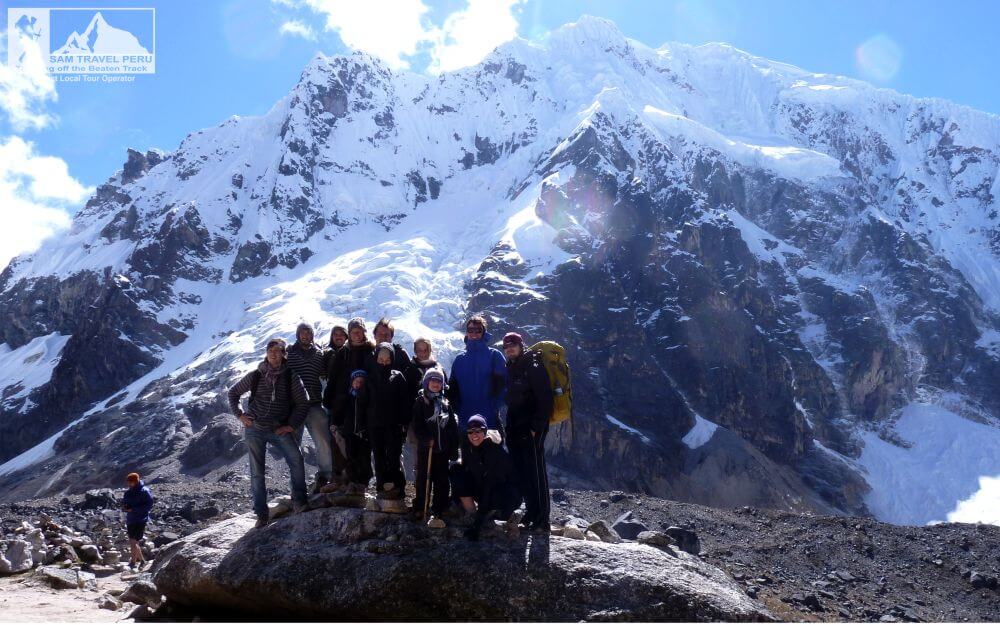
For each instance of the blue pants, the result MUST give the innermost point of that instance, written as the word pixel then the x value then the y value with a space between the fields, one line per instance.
pixel 318 424
pixel 256 441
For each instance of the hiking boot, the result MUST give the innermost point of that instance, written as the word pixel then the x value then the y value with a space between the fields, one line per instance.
pixel 388 486
pixel 262 521
pixel 318 483
pixel 436 523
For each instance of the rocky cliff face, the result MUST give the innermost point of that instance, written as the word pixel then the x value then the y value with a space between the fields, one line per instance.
pixel 755 269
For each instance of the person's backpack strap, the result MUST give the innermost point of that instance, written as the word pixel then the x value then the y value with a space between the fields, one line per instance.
pixel 253 386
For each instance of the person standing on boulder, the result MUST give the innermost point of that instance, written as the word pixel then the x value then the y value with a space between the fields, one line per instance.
pixel 309 362
pixel 388 420
pixel 357 353
pixel 483 478
pixel 277 407
pixel 529 406
pixel 436 429
pixel 478 377
pixel 352 423
pixel 137 503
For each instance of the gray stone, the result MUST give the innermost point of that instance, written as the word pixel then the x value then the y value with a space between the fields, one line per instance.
pixel 17 557
pixel 289 568
pixel 573 532
pixel 279 507
pixel 90 553
pixel 143 592
pixel 109 602
pixel 604 531
pixel 685 539
pixel 627 527
pixel 656 539
pixel 67 578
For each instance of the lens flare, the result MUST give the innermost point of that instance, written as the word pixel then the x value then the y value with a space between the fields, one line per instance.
pixel 879 58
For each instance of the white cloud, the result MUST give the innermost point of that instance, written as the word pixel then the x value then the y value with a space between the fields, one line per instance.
pixel 397 30
pixel 297 28
pixel 36 191
pixel 467 36
pixel 388 29
pixel 25 89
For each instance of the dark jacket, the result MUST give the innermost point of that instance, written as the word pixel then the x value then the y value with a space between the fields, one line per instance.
pixel 434 422
pixel 139 501
pixel 415 371
pixel 400 358
pixel 311 365
pixel 478 377
pixel 275 406
pixel 340 365
pixel 529 396
pixel 388 402
pixel 487 466
pixel 352 418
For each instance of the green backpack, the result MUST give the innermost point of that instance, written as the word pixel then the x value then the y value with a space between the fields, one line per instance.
pixel 552 355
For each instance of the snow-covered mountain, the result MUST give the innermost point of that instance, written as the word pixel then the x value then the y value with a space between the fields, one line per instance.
pixel 101 38
pixel 776 287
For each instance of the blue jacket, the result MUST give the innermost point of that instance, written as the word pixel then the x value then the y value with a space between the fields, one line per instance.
pixel 478 381
pixel 140 501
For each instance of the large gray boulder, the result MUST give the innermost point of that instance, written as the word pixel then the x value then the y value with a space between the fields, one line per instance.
pixel 15 557
pixel 351 564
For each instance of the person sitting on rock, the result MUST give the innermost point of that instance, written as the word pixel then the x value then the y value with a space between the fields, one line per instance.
pixel 352 423
pixel 436 428
pixel 529 406
pixel 478 376
pixel 483 478
pixel 278 405
pixel 309 361
pixel 137 503
pixel 388 420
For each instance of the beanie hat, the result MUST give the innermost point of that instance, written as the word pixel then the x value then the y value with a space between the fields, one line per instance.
pixel 357 322
pixel 385 346
pixel 432 374
pixel 476 421
pixel 358 373
pixel 512 338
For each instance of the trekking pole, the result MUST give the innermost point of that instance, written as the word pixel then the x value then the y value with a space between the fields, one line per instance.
pixel 427 483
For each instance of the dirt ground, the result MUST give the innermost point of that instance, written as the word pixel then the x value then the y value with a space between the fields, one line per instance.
pixel 26 599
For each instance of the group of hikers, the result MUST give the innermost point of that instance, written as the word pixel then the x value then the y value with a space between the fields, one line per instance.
pixel 479 433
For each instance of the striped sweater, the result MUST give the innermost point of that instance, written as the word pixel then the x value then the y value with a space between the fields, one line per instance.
pixel 274 406
pixel 310 364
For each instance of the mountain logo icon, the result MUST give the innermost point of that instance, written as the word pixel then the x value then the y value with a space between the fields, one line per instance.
pixel 100 37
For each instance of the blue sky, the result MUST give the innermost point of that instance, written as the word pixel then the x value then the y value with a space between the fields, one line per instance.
pixel 215 59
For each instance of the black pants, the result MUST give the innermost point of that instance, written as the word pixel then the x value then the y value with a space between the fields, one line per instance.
pixel 359 459
pixel 439 481
pixel 498 502
pixel 387 450
pixel 528 455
